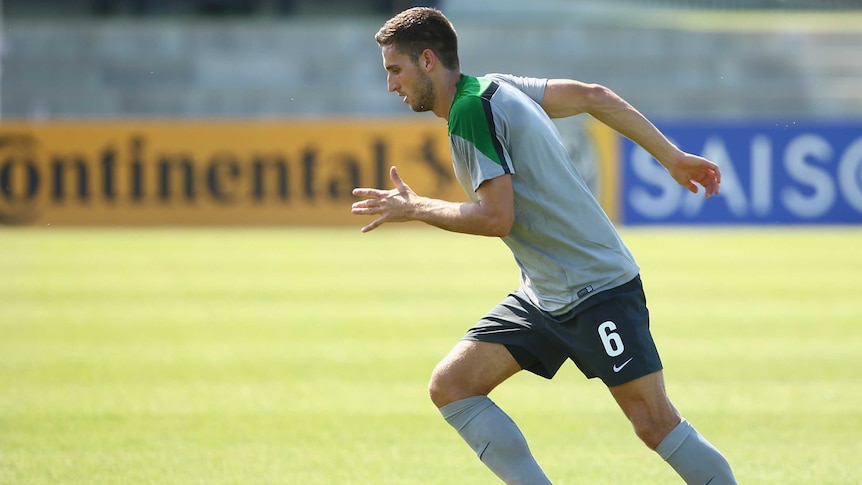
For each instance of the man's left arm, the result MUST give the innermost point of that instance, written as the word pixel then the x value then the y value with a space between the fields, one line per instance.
pixel 567 97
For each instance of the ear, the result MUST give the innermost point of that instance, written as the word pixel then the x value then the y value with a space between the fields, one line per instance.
pixel 427 60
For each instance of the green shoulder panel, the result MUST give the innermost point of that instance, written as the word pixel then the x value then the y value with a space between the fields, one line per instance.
pixel 471 119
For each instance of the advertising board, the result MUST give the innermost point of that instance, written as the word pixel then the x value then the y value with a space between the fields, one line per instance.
pixel 211 172
pixel 772 173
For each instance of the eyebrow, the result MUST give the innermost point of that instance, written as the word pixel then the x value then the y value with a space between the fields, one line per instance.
pixel 391 67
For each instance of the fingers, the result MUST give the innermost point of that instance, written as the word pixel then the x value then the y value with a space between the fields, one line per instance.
pixel 373 206
pixel 711 179
pixel 380 193
pixel 373 225
pixel 706 174
pixel 376 201
pixel 368 206
pixel 396 179
pixel 695 170
pixel 366 192
pixel 717 175
pixel 709 183
pixel 711 189
pixel 716 186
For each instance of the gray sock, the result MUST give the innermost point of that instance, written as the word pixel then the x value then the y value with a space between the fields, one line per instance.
pixel 496 439
pixel 694 458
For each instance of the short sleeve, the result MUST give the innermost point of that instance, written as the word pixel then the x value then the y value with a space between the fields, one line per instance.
pixel 531 86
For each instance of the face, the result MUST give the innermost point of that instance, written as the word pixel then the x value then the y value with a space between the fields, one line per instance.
pixel 406 78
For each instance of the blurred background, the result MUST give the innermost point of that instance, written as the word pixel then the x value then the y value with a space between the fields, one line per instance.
pixel 770 89
pixel 275 58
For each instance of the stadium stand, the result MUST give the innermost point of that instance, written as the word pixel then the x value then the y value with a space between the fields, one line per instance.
pixel 287 58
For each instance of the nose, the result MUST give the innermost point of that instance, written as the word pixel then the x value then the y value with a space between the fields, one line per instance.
pixel 391 84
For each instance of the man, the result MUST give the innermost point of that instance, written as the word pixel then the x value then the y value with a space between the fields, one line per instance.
pixel 580 296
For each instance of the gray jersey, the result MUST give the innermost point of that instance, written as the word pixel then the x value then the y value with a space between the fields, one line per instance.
pixel 562 240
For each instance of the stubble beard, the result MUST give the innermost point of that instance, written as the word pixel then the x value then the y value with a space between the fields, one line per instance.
pixel 424 100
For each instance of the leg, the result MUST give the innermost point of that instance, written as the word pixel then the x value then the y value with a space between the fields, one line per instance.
pixel 470 369
pixel 660 426
pixel 459 387
pixel 647 406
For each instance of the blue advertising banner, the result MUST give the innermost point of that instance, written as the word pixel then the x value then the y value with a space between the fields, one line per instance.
pixel 771 173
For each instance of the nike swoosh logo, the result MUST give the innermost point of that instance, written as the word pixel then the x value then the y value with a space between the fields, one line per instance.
pixel 620 367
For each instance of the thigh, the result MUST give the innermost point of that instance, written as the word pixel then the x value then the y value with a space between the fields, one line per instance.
pixel 521 327
pixel 471 368
pixel 645 403
pixel 610 337
pixel 644 394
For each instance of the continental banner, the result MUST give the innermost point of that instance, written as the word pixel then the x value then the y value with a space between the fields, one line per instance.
pixel 189 173
pixel 215 173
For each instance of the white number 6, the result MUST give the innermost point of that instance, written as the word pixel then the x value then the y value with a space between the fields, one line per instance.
pixel 610 339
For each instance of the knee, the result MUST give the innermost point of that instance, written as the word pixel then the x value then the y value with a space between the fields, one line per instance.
pixel 449 383
pixel 651 430
pixel 442 388
pixel 470 369
pixel 648 432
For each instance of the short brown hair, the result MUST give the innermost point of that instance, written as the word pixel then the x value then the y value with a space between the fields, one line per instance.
pixel 419 28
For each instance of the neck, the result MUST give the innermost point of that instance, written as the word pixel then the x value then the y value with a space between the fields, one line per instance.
pixel 446 94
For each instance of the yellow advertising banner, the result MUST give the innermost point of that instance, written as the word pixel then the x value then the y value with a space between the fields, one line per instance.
pixel 210 172
pixel 298 172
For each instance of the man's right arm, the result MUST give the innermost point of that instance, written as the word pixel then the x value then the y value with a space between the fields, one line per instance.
pixel 491 214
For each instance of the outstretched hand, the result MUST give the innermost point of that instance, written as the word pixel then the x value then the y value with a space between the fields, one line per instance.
pixel 391 205
pixel 690 170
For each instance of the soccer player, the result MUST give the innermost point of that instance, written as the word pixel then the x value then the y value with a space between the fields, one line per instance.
pixel 580 296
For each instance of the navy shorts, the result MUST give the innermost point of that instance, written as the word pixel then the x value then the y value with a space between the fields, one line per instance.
pixel 606 336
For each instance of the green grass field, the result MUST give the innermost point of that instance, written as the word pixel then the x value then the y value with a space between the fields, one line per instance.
pixel 301 357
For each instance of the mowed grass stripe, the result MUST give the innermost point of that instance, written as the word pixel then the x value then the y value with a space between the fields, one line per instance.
pixel 301 356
